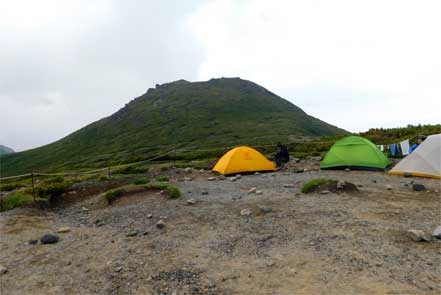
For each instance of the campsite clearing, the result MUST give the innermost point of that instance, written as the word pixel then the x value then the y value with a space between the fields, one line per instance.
pixel 291 243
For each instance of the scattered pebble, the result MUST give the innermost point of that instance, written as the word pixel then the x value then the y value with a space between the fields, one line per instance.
pixel 118 268
pixel 418 235
pixel 3 270
pixel 132 234
pixel 437 232
pixel 49 239
pixel 418 187
pixel 252 190
pixel 347 169
pixel 160 224
pixel 299 170
pixel 84 209
pixel 187 170
pixel 265 209
pixel 245 212
pixel 288 185
pixel 188 179
pixel 212 178
pixel 149 216
pixel 238 176
pixel 64 229
pixel 374 181
pixel 259 192
pixel 204 193
pixel 191 201
pixel 256 173
pixel 325 192
pixel 389 187
pixel 33 242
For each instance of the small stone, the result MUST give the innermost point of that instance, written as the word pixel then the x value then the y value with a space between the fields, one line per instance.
pixel 84 209
pixel 149 216
pixel 191 201
pixel 299 170
pixel 374 181
pixel 222 177
pixel 187 170
pixel 418 235
pixel 288 185
pixel 204 193
pixel 49 239
pixel 252 190
pixel 389 187
pixel 437 232
pixel 325 192
pixel 265 209
pixel 33 242
pixel 132 234
pixel 118 269
pixel 418 187
pixel 256 173
pixel 341 184
pixel 238 176
pixel 245 212
pixel 347 169
pixel 188 179
pixel 359 185
pixel 212 178
pixel 63 229
pixel 3 270
pixel 160 224
pixel 201 170
pixel 259 192
pixel 232 179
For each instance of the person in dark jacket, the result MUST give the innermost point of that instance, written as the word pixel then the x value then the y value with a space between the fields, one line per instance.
pixel 282 156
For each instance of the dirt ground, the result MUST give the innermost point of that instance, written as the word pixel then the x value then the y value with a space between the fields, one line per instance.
pixel 292 243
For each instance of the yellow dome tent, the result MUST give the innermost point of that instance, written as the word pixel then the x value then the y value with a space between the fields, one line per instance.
pixel 243 159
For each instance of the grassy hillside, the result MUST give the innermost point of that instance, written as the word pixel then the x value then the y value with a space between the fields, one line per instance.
pixel 215 113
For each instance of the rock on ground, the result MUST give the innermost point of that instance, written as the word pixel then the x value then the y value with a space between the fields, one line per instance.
pixel 437 232
pixel 418 235
pixel 245 212
pixel 49 239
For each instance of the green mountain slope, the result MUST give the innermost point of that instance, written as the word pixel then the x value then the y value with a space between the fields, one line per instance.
pixel 5 150
pixel 215 113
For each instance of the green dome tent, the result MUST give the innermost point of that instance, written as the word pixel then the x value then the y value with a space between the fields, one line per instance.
pixel 354 152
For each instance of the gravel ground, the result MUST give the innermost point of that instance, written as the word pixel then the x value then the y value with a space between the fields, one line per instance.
pixel 292 243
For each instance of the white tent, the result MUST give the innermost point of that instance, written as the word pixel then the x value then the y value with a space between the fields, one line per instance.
pixel 425 161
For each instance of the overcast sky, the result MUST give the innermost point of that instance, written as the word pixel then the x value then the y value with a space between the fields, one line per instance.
pixel 355 64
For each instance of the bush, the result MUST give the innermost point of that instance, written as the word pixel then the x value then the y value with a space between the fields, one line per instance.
pixel 103 178
pixel 14 200
pixel 313 183
pixel 165 168
pixel 10 187
pixel 141 181
pixel 173 192
pixel 52 189
pixel 162 178
pixel 113 194
pixel 131 170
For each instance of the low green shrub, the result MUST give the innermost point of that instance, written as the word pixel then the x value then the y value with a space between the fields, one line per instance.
pixel 15 200
pixel 162 178
pixel 113 194
pixel 173 192
pixel 131 170
pixel 313 183
pixel 7 187
pixel 52 189
pixel 103 178
pixel 159 186
pixel 165 168
pixel 141 181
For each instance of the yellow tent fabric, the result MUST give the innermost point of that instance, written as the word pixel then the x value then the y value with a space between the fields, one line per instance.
pixel 243 159
pixel 425 161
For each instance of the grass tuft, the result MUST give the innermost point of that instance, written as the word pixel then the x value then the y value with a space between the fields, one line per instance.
pixel 313 183
pixel 162 178
pixel 15 200
pixel 141 181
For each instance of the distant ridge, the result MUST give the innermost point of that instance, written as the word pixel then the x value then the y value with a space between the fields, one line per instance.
pixel 5 150
pixel 216 113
